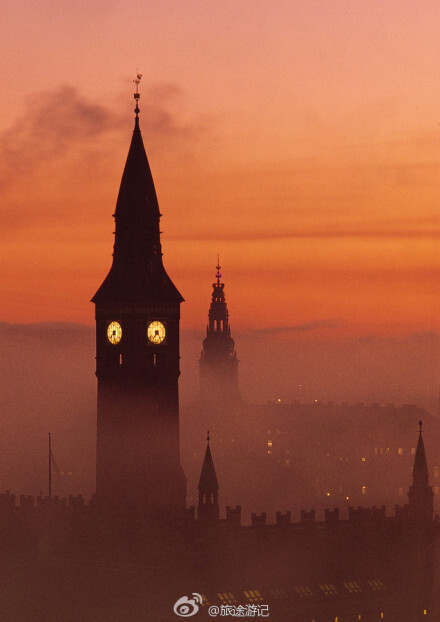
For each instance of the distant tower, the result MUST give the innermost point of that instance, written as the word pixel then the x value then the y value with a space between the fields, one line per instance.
pixel 137 357
pixel 207 509
pixel 218 361
pixel 420 494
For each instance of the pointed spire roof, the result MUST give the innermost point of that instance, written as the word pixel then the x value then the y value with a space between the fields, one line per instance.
pixel 137 273
pixel 137 192
pixel 208 477
pixel 420 467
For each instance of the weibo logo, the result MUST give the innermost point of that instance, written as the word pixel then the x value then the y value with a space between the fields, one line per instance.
pixel 186 607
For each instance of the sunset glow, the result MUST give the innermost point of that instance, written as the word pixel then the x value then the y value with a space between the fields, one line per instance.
pixel 297 139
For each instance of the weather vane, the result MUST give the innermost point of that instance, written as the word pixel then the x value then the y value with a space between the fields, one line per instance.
pixel 137 94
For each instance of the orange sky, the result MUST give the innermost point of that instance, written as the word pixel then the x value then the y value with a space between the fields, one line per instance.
pixel 298 139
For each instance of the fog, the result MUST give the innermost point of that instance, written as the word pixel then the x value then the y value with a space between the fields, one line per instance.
pixel 48 385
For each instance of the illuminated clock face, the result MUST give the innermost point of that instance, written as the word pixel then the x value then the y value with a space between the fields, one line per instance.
pixel 156 332
pixel 114 332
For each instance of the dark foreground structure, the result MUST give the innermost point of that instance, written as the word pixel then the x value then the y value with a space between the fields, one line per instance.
pixel 64 560
pixel 135 553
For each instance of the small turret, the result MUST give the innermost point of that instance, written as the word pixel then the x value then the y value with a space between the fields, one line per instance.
pixel 420 494
pixel 207 509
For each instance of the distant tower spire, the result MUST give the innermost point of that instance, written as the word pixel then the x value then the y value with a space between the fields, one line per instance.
pixel 207 509
pixel 420 494
pixel 218 361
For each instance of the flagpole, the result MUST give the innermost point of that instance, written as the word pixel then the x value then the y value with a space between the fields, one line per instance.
pixel 50 468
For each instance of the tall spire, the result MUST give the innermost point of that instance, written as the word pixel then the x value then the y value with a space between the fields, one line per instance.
pixel 218 311
pixel 420 467
pixel 207 509
pixel 208 478
pixel 420 494
pixel 137 273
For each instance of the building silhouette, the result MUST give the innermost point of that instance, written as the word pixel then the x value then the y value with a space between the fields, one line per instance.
pixel 208 509
pixel 218 362
pixel 420 494
pixel 137 357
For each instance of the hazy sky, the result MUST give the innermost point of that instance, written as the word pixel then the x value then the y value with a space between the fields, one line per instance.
pixel 299 139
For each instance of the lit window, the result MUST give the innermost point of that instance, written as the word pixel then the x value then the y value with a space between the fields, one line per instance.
pixel 364 459
pixel 436 471
pixel 120 359
pixel 353 587
pixel 303 590
pixel 227 598
pixel 376 585
pixel 388 450
pixel 413 451
pixel 364 490
pixel 253 596
pixel 375 450
pixel 400 492
pixel 278 593
pixel 328 589
pixel 400 451
pixel 269 443
pixel 288 463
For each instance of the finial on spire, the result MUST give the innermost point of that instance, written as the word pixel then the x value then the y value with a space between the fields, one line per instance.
pixel 420 426
pixel 208 438
pixel 137 94
pixel 218 266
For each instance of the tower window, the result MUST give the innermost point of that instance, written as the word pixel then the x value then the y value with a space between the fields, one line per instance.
pixel 120 359
pixel 154 360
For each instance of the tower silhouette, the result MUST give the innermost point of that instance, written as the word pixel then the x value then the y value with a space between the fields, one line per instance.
pixel 218 363
pixel 137 356
pixel 420 494
pixel 208 509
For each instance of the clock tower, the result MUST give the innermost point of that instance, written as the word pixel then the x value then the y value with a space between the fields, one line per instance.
pixel 137 310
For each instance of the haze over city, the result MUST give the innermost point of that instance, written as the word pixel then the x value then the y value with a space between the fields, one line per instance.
pixel 298 140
